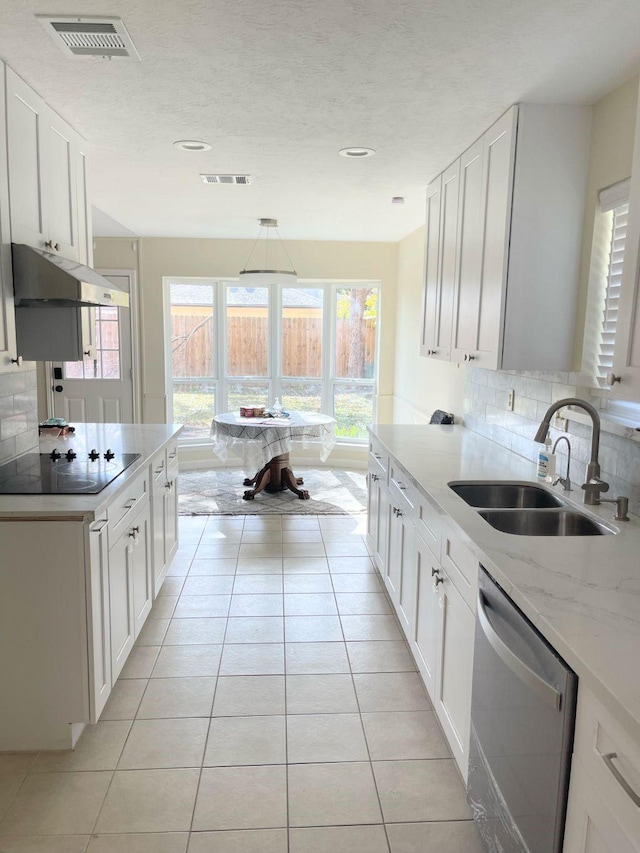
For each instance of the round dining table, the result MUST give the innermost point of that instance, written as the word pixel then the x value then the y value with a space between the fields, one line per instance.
pixel 265 443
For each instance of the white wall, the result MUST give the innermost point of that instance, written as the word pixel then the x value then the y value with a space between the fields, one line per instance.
pixel 420 385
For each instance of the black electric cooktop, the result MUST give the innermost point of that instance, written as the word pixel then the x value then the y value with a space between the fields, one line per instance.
pixel 84 474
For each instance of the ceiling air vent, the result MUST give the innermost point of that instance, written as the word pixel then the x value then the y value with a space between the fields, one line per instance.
pixel 225 179
pixel 91 36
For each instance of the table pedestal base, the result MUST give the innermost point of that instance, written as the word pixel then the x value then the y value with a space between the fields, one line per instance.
pixel 276 476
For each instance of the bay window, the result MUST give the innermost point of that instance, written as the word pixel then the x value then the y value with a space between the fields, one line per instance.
pixel 313 345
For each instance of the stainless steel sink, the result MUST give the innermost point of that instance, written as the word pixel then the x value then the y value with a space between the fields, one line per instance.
pixel 543 522
pixel 505 495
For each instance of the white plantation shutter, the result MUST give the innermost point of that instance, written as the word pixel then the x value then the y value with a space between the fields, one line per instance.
pixel 616 200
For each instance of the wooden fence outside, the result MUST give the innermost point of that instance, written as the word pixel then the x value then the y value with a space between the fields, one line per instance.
pixel 192 346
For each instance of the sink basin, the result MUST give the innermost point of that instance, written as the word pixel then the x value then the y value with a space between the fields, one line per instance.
pixel 498 495
pixel 543 522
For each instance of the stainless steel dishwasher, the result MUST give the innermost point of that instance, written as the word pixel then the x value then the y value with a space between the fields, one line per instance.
pixel 522 721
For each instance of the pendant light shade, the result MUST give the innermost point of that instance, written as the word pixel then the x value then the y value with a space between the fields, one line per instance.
pixel 267 275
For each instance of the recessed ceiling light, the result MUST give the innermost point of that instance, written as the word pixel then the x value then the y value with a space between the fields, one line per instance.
pixel 356 152
pixel 192 145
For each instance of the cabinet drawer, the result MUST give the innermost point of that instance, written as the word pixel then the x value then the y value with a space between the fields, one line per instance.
pixel 172 452
pixel 159 467
pixel 611 757
pixel 125 506
pixel 401 490
pixel 377 456
pixel 461 564
pixel 428 520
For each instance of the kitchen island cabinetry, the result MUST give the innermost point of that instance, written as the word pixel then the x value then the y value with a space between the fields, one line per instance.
pixel 508 241
pixel 76 586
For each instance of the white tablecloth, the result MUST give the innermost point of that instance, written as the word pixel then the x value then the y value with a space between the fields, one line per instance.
pixel 257 440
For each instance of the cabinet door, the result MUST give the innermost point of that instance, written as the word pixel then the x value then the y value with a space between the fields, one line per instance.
pixel 158 550
pixel 59 165
pixel 141 550
pixel 427 631
pixel 448 260
pixel 453 690
pixel 25 128
pixel 499 160
pixel 99 629
pixel 121 602
pixel 399 556
pixel 431 267
pixel 407 591
pixel 170 519
pixel 7 315
pixel 377 517
pixel 590 826
pixel 85 226
pixel 466 310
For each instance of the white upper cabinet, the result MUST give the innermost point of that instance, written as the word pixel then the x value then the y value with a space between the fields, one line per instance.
pixel 7 314
pixel 431 267
pixel 44 156
pixel 513 267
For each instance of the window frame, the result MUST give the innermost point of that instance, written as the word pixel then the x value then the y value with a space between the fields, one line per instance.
pixel 274 379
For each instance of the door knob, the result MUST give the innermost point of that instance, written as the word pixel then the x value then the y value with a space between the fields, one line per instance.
pixel 58 388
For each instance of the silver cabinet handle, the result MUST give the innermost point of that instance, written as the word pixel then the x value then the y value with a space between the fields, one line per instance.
pixel 173 455
pixel 435 571
pixel 134 532
pixel 131 503
pixel 168 485
pixel 402 486
pixel 546 692
pixel 375 478
pixel 99 529
pixel 617 775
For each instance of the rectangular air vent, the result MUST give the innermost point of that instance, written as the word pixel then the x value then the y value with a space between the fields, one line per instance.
pixel 225 179
pixel 90 36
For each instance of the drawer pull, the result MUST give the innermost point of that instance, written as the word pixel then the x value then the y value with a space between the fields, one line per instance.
pixel 617 775
pixel 99 529
pixel 160 469
pixel 377 455
pixel 131 503
pixel 173 455
pixel 402 486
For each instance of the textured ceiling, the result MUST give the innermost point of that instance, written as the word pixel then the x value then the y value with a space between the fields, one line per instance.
pixel 277 88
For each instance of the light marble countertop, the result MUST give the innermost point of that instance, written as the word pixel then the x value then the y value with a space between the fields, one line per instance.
pixel 582 593
pixel 145 439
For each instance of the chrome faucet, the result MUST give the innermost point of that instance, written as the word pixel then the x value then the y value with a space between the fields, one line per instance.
pixel 593 484
pixel 565 482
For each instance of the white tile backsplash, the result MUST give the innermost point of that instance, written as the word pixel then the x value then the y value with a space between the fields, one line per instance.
pixel 18 413
pixel 485 412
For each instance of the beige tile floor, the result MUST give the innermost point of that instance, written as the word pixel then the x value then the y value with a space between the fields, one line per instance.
pixel 270 705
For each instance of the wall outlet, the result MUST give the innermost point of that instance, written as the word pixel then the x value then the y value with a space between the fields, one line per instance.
pixel 511 398
pixel 561 422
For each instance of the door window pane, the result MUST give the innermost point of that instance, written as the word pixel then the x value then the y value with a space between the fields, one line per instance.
pixel 356 318
pixel 302 329
pixel 106 364
pixel 247 331
pixel 353 410
pixel 301 396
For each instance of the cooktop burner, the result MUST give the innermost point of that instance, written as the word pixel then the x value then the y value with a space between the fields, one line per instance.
pixel 63 474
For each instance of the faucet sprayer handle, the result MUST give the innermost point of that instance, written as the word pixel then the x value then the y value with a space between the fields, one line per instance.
pixel 592 489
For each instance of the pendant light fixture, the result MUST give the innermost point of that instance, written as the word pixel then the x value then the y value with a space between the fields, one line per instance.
pixel 261 277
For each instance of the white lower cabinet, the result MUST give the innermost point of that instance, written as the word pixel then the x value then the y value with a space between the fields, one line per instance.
pixel 425 642
pixel 433 611
pixel 121 603
pixel 604 793
pixel 452 700
pixel 165 518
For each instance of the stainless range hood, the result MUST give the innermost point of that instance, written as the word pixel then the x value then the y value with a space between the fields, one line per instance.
pixel 44 279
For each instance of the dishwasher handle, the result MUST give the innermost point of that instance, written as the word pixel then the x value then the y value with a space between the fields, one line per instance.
pixel 545 691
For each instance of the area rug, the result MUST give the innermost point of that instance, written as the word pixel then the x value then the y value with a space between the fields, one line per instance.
pixel 218 491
